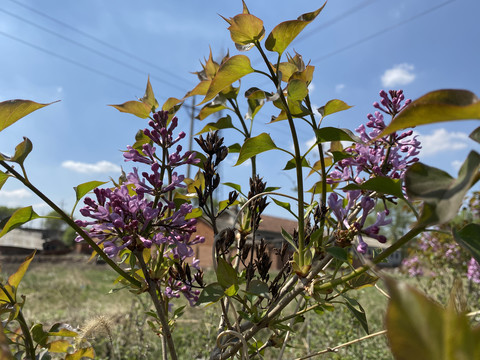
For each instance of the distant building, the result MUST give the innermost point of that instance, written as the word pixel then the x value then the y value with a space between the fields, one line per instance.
pixel 21 241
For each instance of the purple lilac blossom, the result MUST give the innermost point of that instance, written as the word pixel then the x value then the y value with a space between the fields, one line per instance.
pixel 138 213
pixel 473 271
pixel 389 156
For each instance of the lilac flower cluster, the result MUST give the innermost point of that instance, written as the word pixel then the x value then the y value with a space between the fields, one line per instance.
pixel 388 156
pixel 140 212
pixel 413 266
pixel 473 271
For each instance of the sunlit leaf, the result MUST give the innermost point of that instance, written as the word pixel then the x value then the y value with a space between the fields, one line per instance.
pixel 3 178
pixel 81 353
pixel 317 166
pixel 195 213
pixel 18 218
pixel 62 329
pixel 254 146
pixel 222 123
pixel 287 69
pixel 234 148
pixel 226 274
pixel 200 89
pixel 284 205
pixel 284 33
pixel 82 189
pixel 419 329
pixel 21 152
pixel 170 104
pixel 362 281
pixel 210 109
pixel 469 238
pixel 246 29
pixel 332 107
pixel 436 106
pixel 59 346
pixel 230 71
pixel 15 278
pixel 291 164
pixel 149 97
pixel 13 110
pixel 442 194
pixel 297 90
pixel 136 108
pixel 306 75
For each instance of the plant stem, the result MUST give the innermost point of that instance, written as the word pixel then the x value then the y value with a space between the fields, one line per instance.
pixel 159 305
pixel 73 225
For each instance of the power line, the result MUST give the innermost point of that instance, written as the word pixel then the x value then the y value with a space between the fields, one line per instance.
pixel 100 41
pixel 92 50
pixel 74 62
pixel 336 19
pixel 381 32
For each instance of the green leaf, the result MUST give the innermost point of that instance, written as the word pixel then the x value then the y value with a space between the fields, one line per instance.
pixel 200 89
pixel 39 335
pixel 291 164
pixel 62 329
pixel 232 290
pixel 21 152
pixel 5 352
pixel 259 288
pixel 226 274
pixel 289 238
pixel 335 134
pixel 222 123
pixel 211 294
pixel 284 205
pixel 149 97
pixel 230 71
pixel 297 89
pixel 362 281
pixel 469 238
pixel 338 253
pixel 136 108
pixel 235 148
pixel 332 107
pixel 419 329
pixel 82 189
pixel 246 29
pixel 13 110
pixel 18 218
pixel 255 146
pixel 59 346
pixel 442 194
pixel 210 109
pixel 284 33
pixel 475 135
pixel 15 278
pixel 195 213
pixel 234 186
pixel 380 184
pixel 436 106
pixel 3 178
pixel 358 311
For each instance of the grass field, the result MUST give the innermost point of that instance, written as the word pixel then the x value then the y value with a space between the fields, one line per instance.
pixel 79 294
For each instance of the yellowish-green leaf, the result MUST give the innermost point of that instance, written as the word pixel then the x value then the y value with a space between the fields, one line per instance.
pixel 317 166
pixel 305 75
pixel 149 97
pixel 246 29
pixel 297 90
pixel 136 108
pixel 21 152
pixel 18 218
pixel 16 277
pixel 13 110
pixel 284 33
pixel 200 89
pixel 222 123
pixel 255 146
pixel 170 104
pixel 287 69
pixel 82 189
pixel 230 71
pixel 195 213
pixel 210 109
pixel 436 106
pixel 333 106
pixel 3 178
pixel 59 346
pixel 81 353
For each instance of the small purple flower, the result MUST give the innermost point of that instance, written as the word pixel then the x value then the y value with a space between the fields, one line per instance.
pixel 473 271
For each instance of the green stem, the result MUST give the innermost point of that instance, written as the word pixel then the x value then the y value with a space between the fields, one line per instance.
pixel 73 225
pixel 298 161
pixel 29 347
pixel 383 255
pixel 155 295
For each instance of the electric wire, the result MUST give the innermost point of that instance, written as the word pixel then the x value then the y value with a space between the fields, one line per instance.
pixel 99 41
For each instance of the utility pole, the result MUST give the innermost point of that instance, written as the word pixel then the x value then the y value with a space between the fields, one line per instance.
pixel 190 139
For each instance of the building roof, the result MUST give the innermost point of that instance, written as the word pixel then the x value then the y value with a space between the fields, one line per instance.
pixel 23 238
pixel 275 224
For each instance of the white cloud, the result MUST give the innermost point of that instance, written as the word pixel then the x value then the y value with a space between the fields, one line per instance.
pixel 401 74
pixel 442 140
pixel 311 87
pixel 99 167
pixel 339 88
pixel 15 194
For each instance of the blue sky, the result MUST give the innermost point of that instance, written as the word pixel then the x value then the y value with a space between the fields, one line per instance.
pixel 91 53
